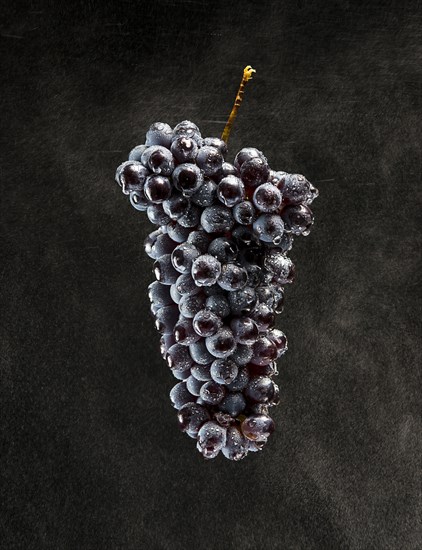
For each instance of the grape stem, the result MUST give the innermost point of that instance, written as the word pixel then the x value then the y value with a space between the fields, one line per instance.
pixel 247 75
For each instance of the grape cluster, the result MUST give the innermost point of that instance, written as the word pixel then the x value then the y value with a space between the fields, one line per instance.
pixel 220 263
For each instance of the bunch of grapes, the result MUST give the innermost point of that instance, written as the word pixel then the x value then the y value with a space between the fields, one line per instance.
pixel 220 262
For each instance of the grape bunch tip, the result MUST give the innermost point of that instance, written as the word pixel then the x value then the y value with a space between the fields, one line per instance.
pixel 221 262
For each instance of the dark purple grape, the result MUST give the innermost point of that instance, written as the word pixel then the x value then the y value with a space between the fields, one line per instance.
pixel 183 256
pixel 188 129
pixel 165 318
pixel 200 239
pixel 298 219
pixel 164 270
pixel 223 371
pixel 242 301
pixel 206 323
pixel 241 380
pixel 138 200
pixel 217 219
pixel 244 213
pixel 279 265
pixel 191 417
pixel 296 189
pixel 236 446
pixel 158 159
pixel 260 389
pixel 201 372
pixel 184 333
pixel 278 178
pixel 190 305
pixel 157 188
pixel 232 277
pixel 176 206
pixel 242 354
pixel 212 393
pixel 269 228
pixel 156 215
pixel 136 152
pixel 254 172
pixel 205 270
pixel 187 178
pixel 131 176
pixel 233 404
pixel 280 340
pixel 225 250
pixel 159 133
pixel 175 294
pixel 184 149
pixel 218 304
pixel 180 374
pixel 159 294
pixel 193 385
pixel 211 439
pixel 227 169
pixel 209 159
pixel 231 191
pixel 176 232
pixel 246 154
pixel 216 142
pixel 206 195
pixel 257 427
pixel 186 285
pixel 191 217
pixel 200 354
pixel 178 357
pixel 158 243
pixel 267 198
pixel 263 316
pixel 244 330
pixel 221 344
pixel 180 395
pixel 244 237
pixel 264 351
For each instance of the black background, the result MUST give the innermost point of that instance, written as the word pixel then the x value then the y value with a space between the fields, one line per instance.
pixel 91 454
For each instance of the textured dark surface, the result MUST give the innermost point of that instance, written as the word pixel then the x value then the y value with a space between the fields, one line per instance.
pixel 91 455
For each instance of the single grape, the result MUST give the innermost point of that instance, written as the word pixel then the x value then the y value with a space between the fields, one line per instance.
pixel 267 198
pixel 184 149
pixel 209 160
pixel 159 294
pixel 159 133
pixel 236 446
pixel 242 301
pixel 278 178
pixel 244 213
pixel 138 200
pixel 241 380
pixel 191 217
pixel 244 329
pixel 158 243
pixel 212 393
pixel 263 316
pixel 216 219
pixel 193 385
pixel 164 270
pixel 191 417
pixel 176 206
pixel 200 354
pixel 298 219
pixel 223 371
pixel 244 237
pixel 246 154
pixel 260 389
pixel 188 129
pixel 176 232
pixel 178 357
pixel 187 178
pixel 183 256
pixel 269 228
pixel 233 404
pixel 296 189
pixel 225 250
pixel 227 169
pixel 205 270
pixel 206 195
pixel 254 172
pixel 157 188
pixel 221 344
pixel 206 323
pixel 165 318
pixel 257 427
pixel 211 439
pixel 231 191
pixel 180 374
pixel 190 305
pixel 156 215
pixel 279 265
pixel 264 351
pixel 184 333
pixel 280 340
pixel 180 395
pixel 131 176
pixel 136 152
pixel 186 285
pixel 232 277
pixel 218 304
pixel 158 159
pixel 242 354
pixel 201 372
pixel 216 142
